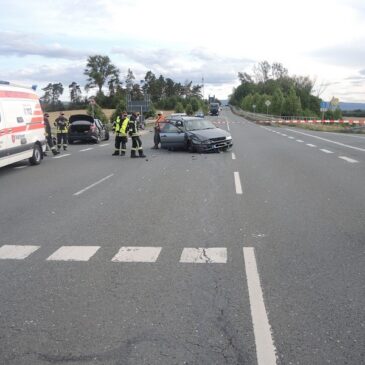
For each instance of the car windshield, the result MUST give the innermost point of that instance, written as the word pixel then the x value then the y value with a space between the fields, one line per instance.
pixel 196 124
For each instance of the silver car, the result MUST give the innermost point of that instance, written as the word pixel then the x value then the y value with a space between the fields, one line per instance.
pixel 194 135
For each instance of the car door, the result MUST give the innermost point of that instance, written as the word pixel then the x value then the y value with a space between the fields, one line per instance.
pixel 172 136
pixel 100 127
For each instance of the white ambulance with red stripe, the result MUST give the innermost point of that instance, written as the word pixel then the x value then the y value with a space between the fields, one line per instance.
pixel 22 134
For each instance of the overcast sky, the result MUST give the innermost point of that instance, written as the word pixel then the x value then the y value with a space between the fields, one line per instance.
pixel 44 41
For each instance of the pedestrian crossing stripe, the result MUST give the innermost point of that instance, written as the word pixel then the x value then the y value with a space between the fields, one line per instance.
pixel 17 252
pixel 125 254
pixel 74 253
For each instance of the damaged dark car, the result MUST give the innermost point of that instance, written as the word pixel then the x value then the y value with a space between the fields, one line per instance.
pixel 85 128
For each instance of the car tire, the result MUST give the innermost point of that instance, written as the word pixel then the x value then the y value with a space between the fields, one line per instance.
pixel 36 159
pixel 98 139
pixel 107 136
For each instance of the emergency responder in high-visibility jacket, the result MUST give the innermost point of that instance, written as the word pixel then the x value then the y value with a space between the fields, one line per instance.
pixel 49 139
pixel 120 128
pixel 62 129
pixel 134 133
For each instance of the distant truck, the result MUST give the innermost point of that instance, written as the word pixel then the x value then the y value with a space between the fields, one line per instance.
pixel 214 108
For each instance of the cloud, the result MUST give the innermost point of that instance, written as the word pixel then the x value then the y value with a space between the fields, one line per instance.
pixel 190 65
pixel 350 54
pixel 44 74
pixel 19 44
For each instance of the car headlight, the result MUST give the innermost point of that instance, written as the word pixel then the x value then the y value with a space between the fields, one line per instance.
pixel 228 137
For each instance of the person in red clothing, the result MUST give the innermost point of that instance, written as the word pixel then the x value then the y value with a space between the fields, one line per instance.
pixel 156 138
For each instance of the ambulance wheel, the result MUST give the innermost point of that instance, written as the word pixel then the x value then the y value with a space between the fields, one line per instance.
pixel 37 155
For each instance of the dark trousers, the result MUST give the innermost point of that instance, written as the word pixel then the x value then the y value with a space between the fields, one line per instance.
pixel 156 137
pixel 120 144
pixel 136 143
pixel 62 139
pixel 50 142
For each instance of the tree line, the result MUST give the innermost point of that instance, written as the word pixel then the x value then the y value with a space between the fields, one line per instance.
pixel 287 95
pixel 112 90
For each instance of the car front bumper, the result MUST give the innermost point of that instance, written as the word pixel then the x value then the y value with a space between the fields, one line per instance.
pixel 214 147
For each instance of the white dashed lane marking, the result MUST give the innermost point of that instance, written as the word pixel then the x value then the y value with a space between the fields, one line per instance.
pixel 299 140
pixel 348 159
pixel 16 252
pixel 92 185
pixel 311 145
pixel 105 144
pixel 217 255
pixel 87 149
pixel 237 182
pixel 233 156
pixel 137 254
pixel 74 253
pixel 265 349
pixel 326 151
pixel 62 156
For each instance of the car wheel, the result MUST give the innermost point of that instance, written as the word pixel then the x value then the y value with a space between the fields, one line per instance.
pixel 37 155
pixel 98 139
pixel 107 136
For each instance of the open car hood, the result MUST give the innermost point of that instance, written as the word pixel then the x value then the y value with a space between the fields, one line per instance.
pixel 204 134
pixel 81 118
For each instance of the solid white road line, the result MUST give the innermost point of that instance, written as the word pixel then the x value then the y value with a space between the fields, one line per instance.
pixel 265 349
pixel 16 252
pixel 237 182
pixel 233 156
pixel 92 185
pixel 87 149
pixel 348 159
pixel 299 140
pixel 311 145
pixel 73 253
pixel 137 254
pixel 325 151
pixel 329 140
pixel 62 156
pixel 214 255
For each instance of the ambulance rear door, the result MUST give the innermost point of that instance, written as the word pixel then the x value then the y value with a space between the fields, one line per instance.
pixel 4 145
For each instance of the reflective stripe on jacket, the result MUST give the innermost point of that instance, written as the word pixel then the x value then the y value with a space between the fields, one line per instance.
pixel 120 127
pixel 61 124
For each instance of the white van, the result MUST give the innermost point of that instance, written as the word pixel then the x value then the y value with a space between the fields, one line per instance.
pixel 22 133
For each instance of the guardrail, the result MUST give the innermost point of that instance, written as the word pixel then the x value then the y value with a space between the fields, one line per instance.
pixel 273 119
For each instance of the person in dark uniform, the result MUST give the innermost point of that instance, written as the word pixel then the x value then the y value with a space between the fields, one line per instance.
pixel 136 140
pixel 49 139
pixel 62 129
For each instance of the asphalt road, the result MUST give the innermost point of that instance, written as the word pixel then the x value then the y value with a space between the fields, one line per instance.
pixel 253 256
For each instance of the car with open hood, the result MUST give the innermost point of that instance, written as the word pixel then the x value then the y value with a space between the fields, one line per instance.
pixel 195 135
pixel 85 128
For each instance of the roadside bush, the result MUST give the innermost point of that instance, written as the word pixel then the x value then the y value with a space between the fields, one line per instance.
pixel 97 112
pixel 179 108
pixel 189 109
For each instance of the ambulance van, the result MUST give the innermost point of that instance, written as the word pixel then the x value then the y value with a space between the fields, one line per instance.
pixel 22 133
